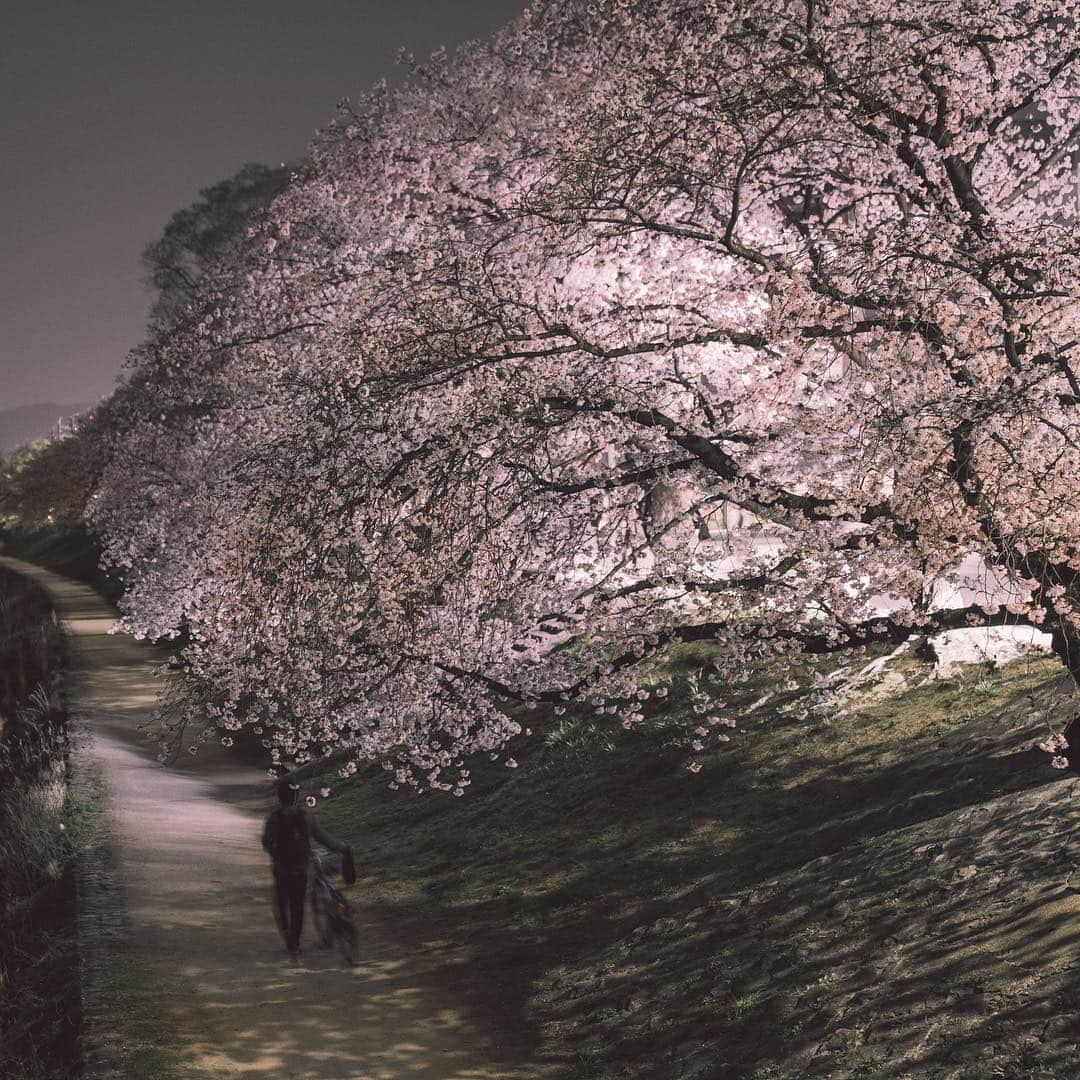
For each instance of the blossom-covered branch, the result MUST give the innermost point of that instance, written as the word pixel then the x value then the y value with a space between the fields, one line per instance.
pixel 637 323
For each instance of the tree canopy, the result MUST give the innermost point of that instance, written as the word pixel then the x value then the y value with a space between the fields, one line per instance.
pixel 203 233
pixel 639 323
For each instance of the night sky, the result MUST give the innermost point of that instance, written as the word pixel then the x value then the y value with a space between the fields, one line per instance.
pixel 115 113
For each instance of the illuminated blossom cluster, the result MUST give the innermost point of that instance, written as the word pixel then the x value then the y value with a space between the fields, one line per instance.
pixel 637 324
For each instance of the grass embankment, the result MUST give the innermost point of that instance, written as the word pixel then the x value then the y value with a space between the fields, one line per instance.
pixel 878 891
pixel 39 1015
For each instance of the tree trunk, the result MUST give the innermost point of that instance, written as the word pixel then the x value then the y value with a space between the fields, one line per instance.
pixel 1067 649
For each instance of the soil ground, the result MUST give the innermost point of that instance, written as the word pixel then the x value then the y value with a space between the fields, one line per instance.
pixel 183 972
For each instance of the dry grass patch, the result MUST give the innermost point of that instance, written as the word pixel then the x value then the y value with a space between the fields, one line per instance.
pixel 39 1021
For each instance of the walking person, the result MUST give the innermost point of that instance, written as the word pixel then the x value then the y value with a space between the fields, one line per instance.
pixel 287 838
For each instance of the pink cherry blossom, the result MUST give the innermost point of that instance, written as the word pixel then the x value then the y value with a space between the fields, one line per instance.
pixel 636 325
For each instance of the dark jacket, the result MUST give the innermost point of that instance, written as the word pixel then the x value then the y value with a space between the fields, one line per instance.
pixel 314 832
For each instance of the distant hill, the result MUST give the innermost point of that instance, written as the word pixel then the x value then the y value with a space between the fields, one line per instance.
pixel 19 425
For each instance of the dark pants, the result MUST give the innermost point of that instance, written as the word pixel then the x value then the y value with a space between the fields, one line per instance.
pixel 289 890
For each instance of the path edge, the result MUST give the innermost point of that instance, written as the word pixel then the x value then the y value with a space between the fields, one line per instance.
pixel 100 911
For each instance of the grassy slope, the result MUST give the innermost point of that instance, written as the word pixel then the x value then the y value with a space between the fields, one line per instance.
pixel 880 893
pixel 39 998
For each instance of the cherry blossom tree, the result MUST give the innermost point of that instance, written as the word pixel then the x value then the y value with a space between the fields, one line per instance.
pixel 48 481
pixel 637 324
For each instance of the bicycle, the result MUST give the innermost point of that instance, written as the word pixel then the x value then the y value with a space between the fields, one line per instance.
pixel 333 916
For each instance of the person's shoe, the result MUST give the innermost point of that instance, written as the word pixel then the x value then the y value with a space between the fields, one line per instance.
pixel 294 955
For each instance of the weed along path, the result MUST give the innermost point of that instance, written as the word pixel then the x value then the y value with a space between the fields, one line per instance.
pixel 183 973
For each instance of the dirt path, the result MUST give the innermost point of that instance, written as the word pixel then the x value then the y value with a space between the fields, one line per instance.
pixel 183 972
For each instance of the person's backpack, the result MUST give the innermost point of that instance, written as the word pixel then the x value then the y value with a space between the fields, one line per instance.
pixel 291 843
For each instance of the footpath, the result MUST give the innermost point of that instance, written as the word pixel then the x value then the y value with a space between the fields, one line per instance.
pixel 183 973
